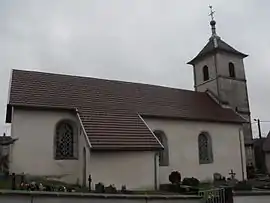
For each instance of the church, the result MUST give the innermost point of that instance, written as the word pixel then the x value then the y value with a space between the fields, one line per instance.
pixel 122 133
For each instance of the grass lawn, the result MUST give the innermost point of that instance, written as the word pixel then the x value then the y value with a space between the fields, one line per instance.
pixel 206 186
pixel 5 184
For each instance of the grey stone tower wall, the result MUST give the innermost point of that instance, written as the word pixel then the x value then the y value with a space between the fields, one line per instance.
pixel 232 90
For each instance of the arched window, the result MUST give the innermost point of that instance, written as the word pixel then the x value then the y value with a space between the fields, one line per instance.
pixel 205 148
pixel 231 70
pixel 65 141
pixel 164 154
pixel 205 73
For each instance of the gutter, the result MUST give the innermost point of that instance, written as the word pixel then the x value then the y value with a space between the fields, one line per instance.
pixel 241 154
pixel 155 155
pixel 84 132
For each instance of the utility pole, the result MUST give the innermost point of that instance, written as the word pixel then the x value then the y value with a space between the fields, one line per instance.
pixel 261 159
pixel 259 127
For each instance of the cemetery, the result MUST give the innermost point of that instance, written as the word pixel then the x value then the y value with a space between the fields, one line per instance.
pixel 220 187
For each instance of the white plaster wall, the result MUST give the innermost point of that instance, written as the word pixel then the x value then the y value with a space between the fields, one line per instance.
pixel 183 148
pixel 133 169
pixel 33 152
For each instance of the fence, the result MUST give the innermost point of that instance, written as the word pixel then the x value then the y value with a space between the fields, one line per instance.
pixel 214 196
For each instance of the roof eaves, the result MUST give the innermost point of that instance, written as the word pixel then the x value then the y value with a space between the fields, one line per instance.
pixel 202 55
pixel 193 119
pixel 161 145
pixel 27 106
pixel 210 49
pixel 120 149
pixel 42 107
pixel 84 131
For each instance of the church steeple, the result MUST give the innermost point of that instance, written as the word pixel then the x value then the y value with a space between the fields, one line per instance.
pixel 215 43
pixel 219 69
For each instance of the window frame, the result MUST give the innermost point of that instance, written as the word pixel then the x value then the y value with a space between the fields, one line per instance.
pixel 163 154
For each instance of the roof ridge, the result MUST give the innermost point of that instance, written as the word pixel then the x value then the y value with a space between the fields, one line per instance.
pixel 102 79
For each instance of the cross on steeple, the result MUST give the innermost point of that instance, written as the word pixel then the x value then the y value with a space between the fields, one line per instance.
pixel 213 25
pixel 211 12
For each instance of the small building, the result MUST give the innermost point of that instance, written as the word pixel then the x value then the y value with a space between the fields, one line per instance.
pixel 266 150
pixel 5 144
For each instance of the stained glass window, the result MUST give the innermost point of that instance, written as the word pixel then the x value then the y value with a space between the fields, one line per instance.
pixel 64 141
pixel 205 149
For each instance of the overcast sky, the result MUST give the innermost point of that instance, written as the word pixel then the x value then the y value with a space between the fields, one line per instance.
pixel 146 41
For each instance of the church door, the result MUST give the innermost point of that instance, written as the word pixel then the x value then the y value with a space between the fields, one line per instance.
pixel 84 167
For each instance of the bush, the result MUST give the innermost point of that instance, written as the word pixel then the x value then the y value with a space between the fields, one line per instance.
pixel 175 177
pixel 110 189
pixel 243 185
pixel 194 182
pixel 99 188
pixel 250 171
pixel 124 189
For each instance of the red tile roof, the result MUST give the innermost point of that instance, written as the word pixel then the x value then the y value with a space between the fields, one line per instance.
pixel 110 110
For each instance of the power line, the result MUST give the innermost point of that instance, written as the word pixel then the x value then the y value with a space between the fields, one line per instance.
pixel 261 122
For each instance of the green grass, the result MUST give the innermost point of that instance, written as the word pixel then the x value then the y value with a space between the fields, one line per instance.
pixel 5 184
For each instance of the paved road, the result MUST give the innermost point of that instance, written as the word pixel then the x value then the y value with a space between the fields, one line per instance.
pixel 252 199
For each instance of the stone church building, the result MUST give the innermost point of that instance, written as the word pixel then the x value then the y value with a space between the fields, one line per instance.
pixel 132 134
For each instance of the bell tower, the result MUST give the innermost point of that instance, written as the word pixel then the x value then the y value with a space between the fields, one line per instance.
pixel 219 69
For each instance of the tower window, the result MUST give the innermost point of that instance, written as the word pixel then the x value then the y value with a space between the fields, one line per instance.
pixel 205 73
pixel 231 70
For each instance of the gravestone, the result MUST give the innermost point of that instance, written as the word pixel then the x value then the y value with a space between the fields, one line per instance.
pixel 219 179
pixel 232 181
pixel 217 176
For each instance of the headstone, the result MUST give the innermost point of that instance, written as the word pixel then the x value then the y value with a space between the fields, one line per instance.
pixel 217 176
pixel 123 189
pixel 13 181
pixel 232 181
pixel 22 178
pixel 232 174
pixel 89 182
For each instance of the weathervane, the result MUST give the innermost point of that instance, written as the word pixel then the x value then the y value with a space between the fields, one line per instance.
pixel 211 12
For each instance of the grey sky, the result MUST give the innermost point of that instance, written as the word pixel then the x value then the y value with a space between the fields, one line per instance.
pixel 146 41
